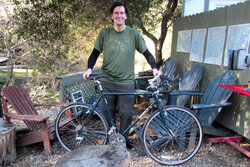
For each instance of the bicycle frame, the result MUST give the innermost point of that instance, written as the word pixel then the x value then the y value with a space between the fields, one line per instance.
pixel 156 101
pixel 171 136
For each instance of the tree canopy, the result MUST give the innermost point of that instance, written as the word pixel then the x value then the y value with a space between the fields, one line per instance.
pixel 62 32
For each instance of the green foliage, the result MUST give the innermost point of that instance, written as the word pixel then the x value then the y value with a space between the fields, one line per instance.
pixel 46 30
pixel 153 18
pixel 8 39
pixel 41 26
pixel 41 94
pixel 63 32
pixel 2 45
pixel 145 12
pixel 18 81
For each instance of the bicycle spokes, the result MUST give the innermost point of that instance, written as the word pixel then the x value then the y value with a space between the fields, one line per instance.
pixel 172 138
pixel 74 129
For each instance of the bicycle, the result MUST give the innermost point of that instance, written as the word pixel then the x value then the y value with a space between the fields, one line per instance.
pixel 81 124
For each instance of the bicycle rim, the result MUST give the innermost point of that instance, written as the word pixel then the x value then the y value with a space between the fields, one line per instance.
pixel 76 126
pixel 177 143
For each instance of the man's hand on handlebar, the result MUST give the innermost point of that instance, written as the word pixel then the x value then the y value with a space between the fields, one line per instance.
pixel 86 74
pixel 156 71
pixel 171 81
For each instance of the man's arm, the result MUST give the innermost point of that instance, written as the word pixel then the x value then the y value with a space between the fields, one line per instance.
pixel 151 61
pixel 91 62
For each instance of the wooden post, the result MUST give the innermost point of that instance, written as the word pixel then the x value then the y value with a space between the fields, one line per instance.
pixel 7 142
pixel 1 109
pixel 45 136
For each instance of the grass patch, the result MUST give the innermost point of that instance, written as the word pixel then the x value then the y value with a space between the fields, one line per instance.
pixel 17 72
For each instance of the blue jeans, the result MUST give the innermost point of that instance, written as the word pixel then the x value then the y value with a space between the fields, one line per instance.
pixel 124 103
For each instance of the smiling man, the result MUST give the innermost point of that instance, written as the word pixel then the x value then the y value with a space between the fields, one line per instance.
pixel 118 44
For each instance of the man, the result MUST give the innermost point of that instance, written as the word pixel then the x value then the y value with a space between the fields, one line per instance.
pixel 118 44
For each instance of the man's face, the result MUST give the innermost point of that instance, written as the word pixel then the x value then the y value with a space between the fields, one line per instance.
pixel 119 15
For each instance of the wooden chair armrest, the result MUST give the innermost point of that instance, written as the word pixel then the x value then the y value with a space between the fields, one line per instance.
pixel 144 77
pixel 37 118
pixel 185 92
pixel 204 106
pixel 53 104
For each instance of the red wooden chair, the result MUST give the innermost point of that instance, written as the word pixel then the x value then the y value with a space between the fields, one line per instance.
pixel 39 130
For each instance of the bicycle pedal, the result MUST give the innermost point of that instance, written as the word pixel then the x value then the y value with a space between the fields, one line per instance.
pixel 79 138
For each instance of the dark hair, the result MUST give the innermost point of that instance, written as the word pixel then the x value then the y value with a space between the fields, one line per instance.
pixel 119 4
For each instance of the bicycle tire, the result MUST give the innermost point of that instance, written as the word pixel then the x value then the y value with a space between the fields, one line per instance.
pixel 77 126
pixel 174 149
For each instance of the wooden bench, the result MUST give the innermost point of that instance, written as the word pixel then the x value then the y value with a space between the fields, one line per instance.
pixel 74 82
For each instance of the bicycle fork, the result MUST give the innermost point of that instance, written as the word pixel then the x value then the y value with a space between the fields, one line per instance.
pixel 160 105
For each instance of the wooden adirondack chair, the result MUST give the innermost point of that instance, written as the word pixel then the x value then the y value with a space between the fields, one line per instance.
pixel 39 131
pixel 213 100
pixel 141 83
pixel 188 86
pixel 168 68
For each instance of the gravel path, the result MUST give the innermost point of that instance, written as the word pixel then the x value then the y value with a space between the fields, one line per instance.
pixel 210 155
pixel 215 155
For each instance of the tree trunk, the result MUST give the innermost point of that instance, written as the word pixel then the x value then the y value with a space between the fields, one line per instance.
pixel 168 13
pixel 10 71
pixel 98 155
pixel 7 143
pixel 158 53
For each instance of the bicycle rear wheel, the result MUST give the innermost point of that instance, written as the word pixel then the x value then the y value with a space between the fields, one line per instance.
pixel 76 126
pixel 175 143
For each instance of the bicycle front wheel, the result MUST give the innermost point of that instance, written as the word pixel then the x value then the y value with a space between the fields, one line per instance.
pixel 78 125
pixel 173 137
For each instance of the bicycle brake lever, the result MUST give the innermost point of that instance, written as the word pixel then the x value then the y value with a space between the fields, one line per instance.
pixel 151 81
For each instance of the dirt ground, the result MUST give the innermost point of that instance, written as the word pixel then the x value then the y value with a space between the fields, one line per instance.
pixel 210 155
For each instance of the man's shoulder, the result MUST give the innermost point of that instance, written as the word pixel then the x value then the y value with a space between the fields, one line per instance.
pixel 132 29
pixel 106 29
pixel 133 32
